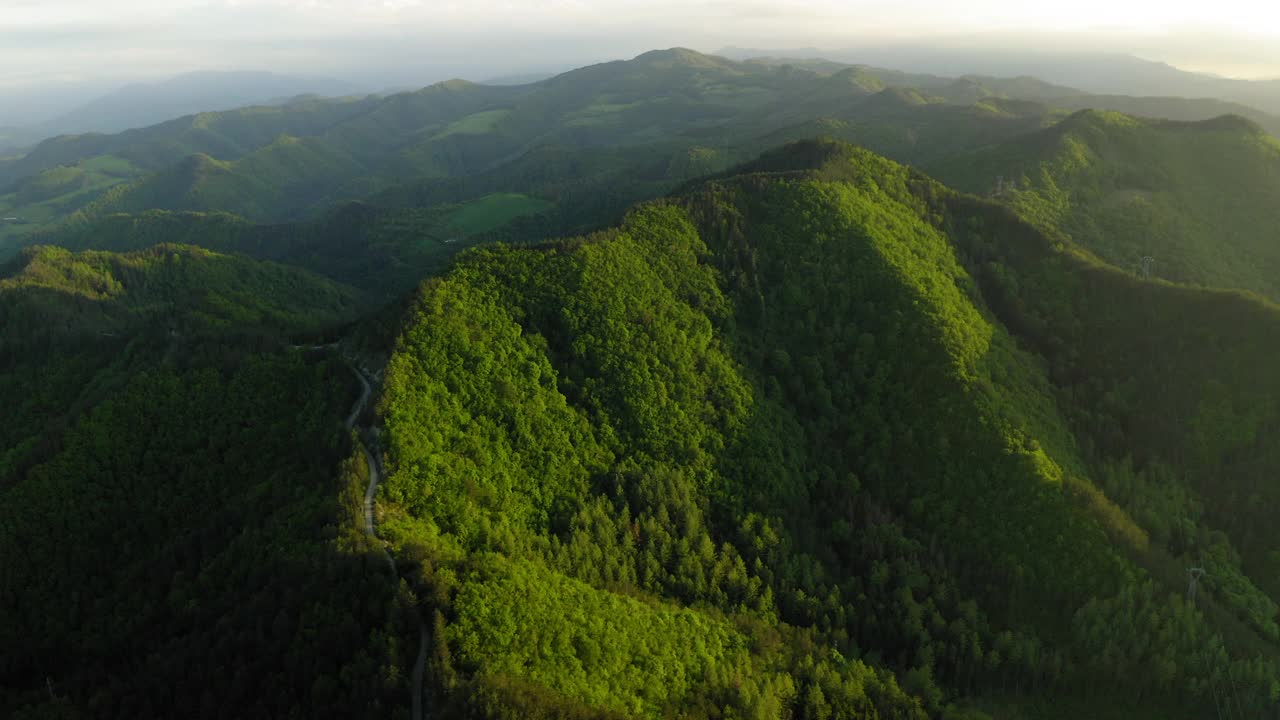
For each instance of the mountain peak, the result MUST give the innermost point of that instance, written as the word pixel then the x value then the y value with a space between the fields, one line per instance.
pixel 821 158
pixel 1231 122
pixel 455 85
pixel 1106 119
pixel 673 57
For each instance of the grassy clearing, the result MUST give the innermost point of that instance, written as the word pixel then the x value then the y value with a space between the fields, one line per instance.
pixel 599 113
pixel 93 175
pixel 475 124
pixel 110 165
pixel 494 211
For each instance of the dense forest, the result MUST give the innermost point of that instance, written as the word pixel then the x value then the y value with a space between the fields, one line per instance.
pixel 809 403
pixel 659 406
pixel 181 529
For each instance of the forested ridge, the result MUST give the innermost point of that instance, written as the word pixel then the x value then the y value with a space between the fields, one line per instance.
pixel 1197 198
pixel 182 525
pixel 830 402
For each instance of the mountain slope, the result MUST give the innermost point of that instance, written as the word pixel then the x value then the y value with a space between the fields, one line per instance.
pixel 279 180
pixel 782 397
pixel 1169 392
pixel 181 497
pixel 189 546
pixel 1168 108
pixel 50 295
pixel 1196 197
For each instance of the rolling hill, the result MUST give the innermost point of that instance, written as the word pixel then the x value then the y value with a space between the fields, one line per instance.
pixel 644 126
pixel 288 162
pixel 1198 198
pixel 53 298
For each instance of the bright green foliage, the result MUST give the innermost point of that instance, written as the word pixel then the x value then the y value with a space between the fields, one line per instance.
pixel 908 302
pixel 524 451
pixel 606 650
pixel 783 400
pixel 493 211
pixel 520 386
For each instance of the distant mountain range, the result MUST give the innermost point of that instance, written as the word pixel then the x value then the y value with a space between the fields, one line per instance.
pixel 13 138
pixel 143 104
pixel 146 104
pixel 639 127
pixel 1108 73
pixel 30 116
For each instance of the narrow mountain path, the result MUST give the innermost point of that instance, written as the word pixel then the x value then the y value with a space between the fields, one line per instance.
pixel 362 402
pixel 371 529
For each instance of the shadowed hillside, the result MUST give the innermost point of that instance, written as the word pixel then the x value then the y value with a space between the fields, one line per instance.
pixel 1198 198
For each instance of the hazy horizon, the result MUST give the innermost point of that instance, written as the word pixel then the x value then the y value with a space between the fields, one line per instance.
pixel 57 50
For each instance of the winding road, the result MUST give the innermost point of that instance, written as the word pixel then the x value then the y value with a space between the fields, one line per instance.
pixel 370 529
pixel 363 401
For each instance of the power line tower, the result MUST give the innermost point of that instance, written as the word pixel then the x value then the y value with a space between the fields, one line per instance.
pixel 1147 262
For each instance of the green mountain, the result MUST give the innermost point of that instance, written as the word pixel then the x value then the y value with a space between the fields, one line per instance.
pixel 1198 198
pixel 823 419
pixel 182 534
pixel 973 89
pixel 53 295
pixel 1168 108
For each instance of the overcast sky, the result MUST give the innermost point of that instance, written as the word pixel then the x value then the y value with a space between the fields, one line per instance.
pixel 43 42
